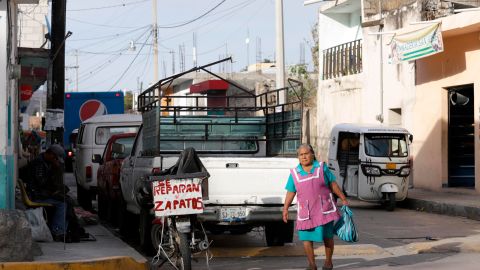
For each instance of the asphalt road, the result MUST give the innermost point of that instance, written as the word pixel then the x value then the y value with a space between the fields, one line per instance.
pixel 384 238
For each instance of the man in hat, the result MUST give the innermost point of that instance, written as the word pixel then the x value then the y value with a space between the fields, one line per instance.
pixel 44 179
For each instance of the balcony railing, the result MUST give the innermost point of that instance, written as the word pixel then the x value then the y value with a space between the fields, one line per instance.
pixel 342 60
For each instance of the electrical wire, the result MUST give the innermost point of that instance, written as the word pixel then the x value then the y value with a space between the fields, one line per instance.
pixel 111 59
pixel 129 65
pixel 104 42
pixel 94 69
pixel 109 36
pixel 192 20
pixel 258 10
pixel 101 25
pixel 111 6
pixel 237 8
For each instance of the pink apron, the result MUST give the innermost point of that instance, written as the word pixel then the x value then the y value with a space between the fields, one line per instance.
pixel 315 203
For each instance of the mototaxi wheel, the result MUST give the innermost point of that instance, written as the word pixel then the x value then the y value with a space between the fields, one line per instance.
pixel 391 202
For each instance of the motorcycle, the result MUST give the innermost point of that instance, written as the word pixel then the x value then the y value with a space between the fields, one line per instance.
pixel 175 197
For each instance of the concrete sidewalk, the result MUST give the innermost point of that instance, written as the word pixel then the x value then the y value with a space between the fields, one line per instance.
pixel 448 201
pixel 108 252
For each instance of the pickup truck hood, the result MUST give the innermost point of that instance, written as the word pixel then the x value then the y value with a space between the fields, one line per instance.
pixel 254 181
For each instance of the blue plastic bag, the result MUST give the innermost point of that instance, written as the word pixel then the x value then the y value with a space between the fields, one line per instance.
pixel 345 227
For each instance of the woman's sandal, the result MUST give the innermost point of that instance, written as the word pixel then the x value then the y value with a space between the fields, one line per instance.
pixel 327 267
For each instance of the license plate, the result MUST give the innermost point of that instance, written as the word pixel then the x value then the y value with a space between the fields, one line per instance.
pixel 391 166
pixel 233 214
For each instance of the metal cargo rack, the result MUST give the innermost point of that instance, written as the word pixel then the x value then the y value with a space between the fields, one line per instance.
pixel 246 117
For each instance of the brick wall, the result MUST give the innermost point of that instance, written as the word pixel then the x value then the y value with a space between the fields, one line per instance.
pixel 32 24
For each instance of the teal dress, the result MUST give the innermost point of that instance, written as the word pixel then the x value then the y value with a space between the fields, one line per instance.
pixel 319 233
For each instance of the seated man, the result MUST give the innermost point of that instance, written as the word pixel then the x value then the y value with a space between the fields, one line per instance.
pixel 45 184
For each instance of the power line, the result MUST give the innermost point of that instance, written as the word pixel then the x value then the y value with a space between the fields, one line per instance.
pixel 101 25
pixel 129 65
pixel 193 20
pixel 111 6
pixel 237 7
pixel 109 36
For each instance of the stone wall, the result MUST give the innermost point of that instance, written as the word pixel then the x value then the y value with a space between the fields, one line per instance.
pixel 16 237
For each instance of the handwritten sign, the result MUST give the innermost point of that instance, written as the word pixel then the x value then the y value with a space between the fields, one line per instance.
pixel 177 197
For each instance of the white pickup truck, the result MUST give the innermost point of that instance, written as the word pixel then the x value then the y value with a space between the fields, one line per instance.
pixel 245 140
pixel 244 192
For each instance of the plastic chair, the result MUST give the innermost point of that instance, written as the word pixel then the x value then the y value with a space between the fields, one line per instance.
pixel 26 200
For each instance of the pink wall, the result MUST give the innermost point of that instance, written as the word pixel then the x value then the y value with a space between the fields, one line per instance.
pixel 459 64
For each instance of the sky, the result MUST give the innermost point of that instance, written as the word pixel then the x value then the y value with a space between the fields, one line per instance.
pixel 112 39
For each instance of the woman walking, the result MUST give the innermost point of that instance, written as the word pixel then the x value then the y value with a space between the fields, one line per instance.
pixel 313 183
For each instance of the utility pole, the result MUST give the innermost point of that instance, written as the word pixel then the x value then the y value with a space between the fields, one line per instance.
pixel 155 41
pixel 76 70
pixel 279 57
pixel 56 90
pixel 172 52
pixel 247 42
pixel 194 52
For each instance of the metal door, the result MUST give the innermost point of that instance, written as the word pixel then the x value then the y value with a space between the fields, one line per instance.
pixel 461 139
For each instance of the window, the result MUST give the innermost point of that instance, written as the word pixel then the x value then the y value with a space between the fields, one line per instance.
pixel 386 145
pixel 102 134
pixel 127 143
pixel 137 141
pixel 80 134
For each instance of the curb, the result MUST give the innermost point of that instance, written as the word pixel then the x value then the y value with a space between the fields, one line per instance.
pixel 113 263
pixel 442 208
pixel 469 244
pixel 295 251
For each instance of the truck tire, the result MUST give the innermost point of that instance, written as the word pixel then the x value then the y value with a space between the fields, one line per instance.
pixel 84 198
pixel 274 233
pixel 288 231
pixel 102 206
pixel 126 223
pixel 144 230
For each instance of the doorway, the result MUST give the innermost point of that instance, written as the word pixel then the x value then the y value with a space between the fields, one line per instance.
pixel 461 138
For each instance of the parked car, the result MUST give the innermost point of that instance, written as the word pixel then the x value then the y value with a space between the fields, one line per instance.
pixel 93 135
pixel 108 175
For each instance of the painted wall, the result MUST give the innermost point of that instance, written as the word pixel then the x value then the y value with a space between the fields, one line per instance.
pixel 398 79
pixel 8 105
pixel 339 99
pixel 338 28
pixel 458 64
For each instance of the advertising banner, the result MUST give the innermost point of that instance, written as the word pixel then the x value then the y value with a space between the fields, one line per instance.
pixel 416 44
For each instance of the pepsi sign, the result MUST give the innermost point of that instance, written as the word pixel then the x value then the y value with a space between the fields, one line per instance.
pixel 91 108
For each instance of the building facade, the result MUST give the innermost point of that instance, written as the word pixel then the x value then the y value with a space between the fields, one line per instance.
pixel 433 97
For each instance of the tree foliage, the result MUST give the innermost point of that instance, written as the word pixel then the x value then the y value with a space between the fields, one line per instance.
pixel 128 101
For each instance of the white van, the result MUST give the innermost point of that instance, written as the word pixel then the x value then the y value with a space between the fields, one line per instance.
pixel 92 138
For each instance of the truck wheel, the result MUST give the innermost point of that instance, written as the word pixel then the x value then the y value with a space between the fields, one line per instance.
pixel 144 229
pixel 288 229
pixel 391 202
pixel 102 206
pixel 84 198
pixel 274 234
pixel 125 220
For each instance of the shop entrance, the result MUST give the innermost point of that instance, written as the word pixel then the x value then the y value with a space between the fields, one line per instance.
pixel 461 138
